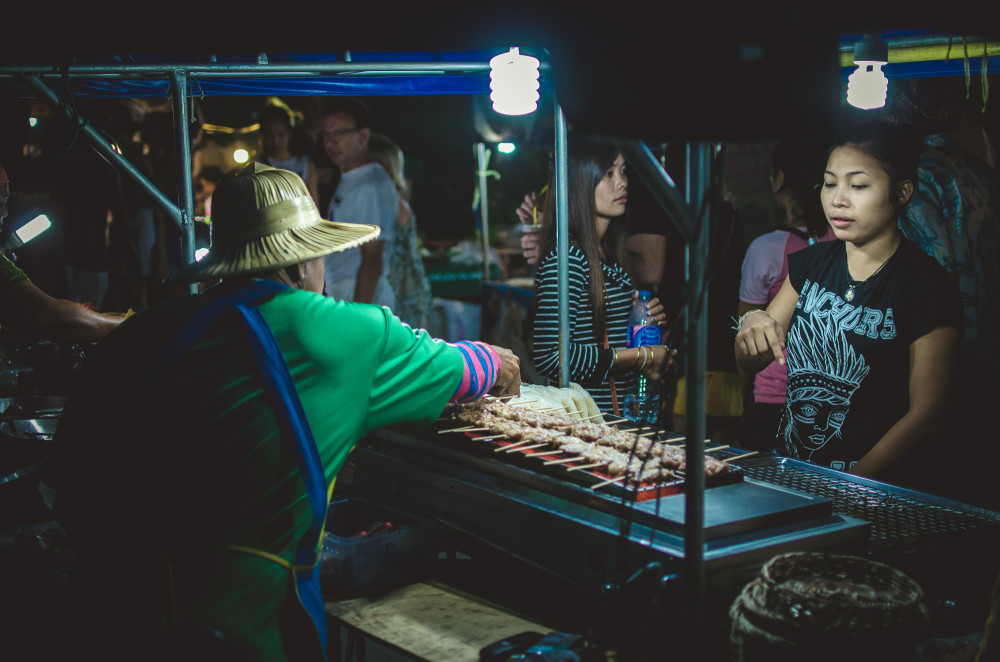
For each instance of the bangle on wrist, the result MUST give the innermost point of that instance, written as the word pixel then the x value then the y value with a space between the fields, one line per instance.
pixel 614 359
pixel 739 322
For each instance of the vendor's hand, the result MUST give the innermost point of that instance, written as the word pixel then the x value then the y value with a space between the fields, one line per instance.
pixel 760 335
pixel 509 378
pixel 661 361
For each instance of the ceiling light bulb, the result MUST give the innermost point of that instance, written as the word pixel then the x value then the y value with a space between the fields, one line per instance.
pixel 514 81
pixel 33 228
pixel 867 87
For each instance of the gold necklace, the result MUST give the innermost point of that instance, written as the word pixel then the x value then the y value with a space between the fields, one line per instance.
pixel 849 294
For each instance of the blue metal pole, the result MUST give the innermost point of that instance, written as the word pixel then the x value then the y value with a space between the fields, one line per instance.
pixel 562 242
pixel 186 186
pixel 697 183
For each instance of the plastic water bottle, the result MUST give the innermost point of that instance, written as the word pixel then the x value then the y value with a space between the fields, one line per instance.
pixel 643 406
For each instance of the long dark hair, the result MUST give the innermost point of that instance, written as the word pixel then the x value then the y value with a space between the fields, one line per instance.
pixel 589 159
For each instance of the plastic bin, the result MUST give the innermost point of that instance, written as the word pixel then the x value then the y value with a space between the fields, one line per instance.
pixel 369 548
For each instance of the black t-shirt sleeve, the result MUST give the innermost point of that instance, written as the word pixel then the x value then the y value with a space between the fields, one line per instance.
pixel 801 262
pixel 931 284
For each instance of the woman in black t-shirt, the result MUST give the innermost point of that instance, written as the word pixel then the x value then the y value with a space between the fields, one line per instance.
pixel 871 324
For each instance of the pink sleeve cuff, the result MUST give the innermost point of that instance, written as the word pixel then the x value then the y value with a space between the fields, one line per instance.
pixel 482 365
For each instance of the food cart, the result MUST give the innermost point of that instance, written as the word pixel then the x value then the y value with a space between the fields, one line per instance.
pixel 690 549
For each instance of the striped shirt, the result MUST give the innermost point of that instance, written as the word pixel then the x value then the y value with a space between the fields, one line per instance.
pixel 589 361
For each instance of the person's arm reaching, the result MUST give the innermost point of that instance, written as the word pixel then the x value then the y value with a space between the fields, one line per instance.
pixel 746 378
pixel 488 369
pixel 760 338
pixel 31 311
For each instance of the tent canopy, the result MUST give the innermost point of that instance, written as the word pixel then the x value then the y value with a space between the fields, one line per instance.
pixel 706 72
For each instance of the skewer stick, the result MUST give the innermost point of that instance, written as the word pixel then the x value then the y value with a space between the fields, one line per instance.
pixel 739 457
pixel 646 434
pixel 616 421
pixel 498 436
pixel 593 465
pixel 524 448
pixel 719 448
pixel 676 440
pixel 519 443
pixel 467 428
pixel 565 459
pixel 590 417
pixel 506 397
pixel 607 482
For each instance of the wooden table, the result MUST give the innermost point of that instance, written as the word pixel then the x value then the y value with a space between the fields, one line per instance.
pixel 427 621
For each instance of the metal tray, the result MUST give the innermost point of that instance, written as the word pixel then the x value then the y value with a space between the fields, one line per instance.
pixel 897 514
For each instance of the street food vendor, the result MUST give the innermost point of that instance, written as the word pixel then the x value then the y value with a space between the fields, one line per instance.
pixel 28 310
pixel 867 327
pixel 195 460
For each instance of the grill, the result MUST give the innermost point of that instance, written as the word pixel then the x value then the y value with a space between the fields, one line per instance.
pixel 896 515
pixel 579 534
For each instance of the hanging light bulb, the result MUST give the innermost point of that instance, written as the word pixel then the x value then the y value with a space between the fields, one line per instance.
pixel 867 86
pixel 514 81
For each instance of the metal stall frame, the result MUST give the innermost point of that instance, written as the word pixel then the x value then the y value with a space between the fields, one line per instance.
pixel 690 214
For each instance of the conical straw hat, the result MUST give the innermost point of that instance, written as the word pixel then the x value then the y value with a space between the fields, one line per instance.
pixel 264 219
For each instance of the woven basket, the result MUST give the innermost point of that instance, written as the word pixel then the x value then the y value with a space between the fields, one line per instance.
pixel 833 605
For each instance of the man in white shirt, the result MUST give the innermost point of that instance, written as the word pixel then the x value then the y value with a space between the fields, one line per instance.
pixel 365 194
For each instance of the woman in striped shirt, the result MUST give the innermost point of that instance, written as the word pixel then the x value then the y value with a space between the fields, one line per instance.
pixel 600 292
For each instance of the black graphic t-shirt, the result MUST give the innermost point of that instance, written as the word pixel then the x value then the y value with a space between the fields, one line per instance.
pixel 848 362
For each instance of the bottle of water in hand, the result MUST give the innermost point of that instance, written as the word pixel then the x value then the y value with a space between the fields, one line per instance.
pixel 643 405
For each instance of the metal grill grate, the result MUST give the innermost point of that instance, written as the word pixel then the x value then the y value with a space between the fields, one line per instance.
pixel 893 517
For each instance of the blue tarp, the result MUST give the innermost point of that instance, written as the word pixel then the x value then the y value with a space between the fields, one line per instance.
pixel 140 84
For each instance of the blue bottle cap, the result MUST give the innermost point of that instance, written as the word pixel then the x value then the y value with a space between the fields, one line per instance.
pixel 645 294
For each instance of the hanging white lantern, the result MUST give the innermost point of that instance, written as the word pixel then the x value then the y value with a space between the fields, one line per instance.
pixel 868 87
pixel 514 81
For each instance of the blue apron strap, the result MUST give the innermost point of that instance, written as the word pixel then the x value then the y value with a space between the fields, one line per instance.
pixel 289 410
pixel 196 327
pixel 293 419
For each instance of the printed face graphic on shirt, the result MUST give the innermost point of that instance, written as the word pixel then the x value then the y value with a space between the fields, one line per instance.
pixel 824 371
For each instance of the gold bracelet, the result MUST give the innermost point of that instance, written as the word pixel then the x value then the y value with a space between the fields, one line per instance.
pixel 614 360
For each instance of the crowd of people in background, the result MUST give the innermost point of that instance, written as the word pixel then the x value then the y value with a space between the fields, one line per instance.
pixel 112 247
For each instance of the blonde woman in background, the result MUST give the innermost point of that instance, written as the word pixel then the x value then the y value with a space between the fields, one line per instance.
pixel 406 274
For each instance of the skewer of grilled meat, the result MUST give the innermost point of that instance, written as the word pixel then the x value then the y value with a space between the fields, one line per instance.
pixel 518 423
